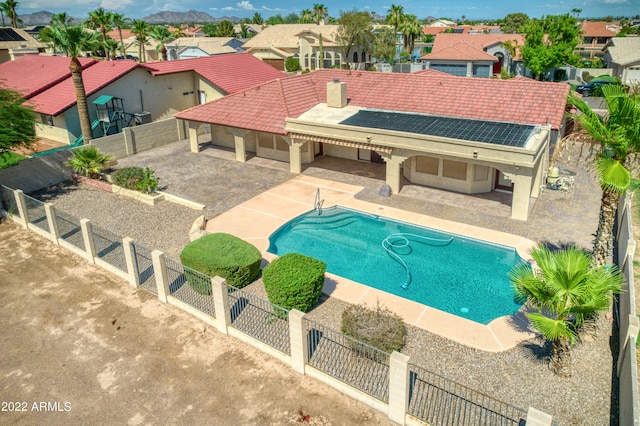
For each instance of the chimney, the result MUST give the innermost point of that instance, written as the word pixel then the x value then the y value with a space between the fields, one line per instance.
pixel 336 94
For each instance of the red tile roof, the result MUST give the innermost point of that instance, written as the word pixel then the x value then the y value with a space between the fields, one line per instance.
pixel 32 74
pixel 231 72
pixel 479 41
pixel 126 33
pixel 62 96
pixel 265 107
pixel 461 52
pixel 599 29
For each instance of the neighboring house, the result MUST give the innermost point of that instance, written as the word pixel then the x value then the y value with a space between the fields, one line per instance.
pixel 442 23
pixel 462 29
pixel 277 43
pixel 196 47
pixel 594 37
pixel 468 135
pixel 15 43
pixel 156 90
pixel 622 54
pixel 251 29
pixel 475 55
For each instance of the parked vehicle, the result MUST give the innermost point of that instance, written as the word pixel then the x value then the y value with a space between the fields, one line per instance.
pixel 127 57
pixel 594 87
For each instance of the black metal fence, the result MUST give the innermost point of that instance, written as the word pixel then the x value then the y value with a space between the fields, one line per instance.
pixel 144 268
pixel 190 286
pixel 8 200
pixel 348 360
pixel 36 213
pixel 440 401
pixel 69 229
pixel 109 248
pixel 260 319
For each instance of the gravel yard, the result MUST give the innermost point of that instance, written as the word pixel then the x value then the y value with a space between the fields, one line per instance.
pixel 518 376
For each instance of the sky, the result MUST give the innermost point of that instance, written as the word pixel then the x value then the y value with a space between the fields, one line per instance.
pixel 454 9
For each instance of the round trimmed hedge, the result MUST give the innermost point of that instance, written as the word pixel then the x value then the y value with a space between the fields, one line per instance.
pixel 294 281
pixel 224 255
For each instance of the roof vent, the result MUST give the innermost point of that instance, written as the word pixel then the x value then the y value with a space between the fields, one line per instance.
pixel 336 94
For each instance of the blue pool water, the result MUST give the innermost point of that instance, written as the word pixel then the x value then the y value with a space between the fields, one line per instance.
pixel 455 274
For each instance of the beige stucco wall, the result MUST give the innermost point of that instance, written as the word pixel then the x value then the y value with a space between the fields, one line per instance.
pixel 211 91
pixel 468 186
pixel 57 132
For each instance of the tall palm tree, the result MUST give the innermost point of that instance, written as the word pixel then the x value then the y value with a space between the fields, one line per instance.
pixel 306 16
pixel 111 48
pixel 162 35
pixel 61 19
pixel 74 40
pixel 394 16
pixel 618 137
pixel 100 19
pixel 9 9
pixel 141 30
pixel 320 12
pixel 410 28
pixel 565 289
pixel 118 20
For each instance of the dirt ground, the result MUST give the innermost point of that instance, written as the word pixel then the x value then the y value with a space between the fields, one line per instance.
pixel 80 346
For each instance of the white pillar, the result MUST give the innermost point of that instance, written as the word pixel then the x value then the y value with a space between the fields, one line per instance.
pixel 398 387
pixel 295 157
pixel 132 263
pixel 393 174
pixel 221 303
pixel 520 198
pixel 241 148
pixel 160 272
pixel 194 145
pixel 538 418
pixel 87 237
pixel 22 206
pixel 298 341
pixel 53 223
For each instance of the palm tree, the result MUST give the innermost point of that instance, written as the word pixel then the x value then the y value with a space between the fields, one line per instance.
pixel 111 48
pixel 74 40
pixel 306 16
pixel 61 19
pixel 9 7
pixel 394 16
pixel 257 19
pixel 410 28
pixel 100 19
pixel 566 289
pixel 162 35
pixel 319 11
pixel 141 31
pixel 618 135
pixel 118 20
pixel 88 161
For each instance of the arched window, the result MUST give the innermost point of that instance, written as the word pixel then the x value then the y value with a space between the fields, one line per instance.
pixel 314 64
pixel 355 57
pixel 326 63
pixel 306 60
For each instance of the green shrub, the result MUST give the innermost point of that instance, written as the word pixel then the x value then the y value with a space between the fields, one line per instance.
pixel 88 161
pixel 292 64
pixel 377 327
pixel 223 255
pixel 294 281
pixel 128 177
pixel 149 183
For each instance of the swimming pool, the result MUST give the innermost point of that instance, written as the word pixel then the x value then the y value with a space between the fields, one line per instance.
pixel 456 274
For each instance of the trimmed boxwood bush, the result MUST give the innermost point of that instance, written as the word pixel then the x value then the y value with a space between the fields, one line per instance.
pixel 377 327
pixel 294 281
pixel 224 255
pixel 128 177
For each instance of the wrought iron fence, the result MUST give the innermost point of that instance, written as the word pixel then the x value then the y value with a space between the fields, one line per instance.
pixel 260 319
pixel 109 248
pixel 69 229
pixel 144 268
pixel 440 401
pixel 190 286
pixel 8 200
pixel 348 360
pixel 36 213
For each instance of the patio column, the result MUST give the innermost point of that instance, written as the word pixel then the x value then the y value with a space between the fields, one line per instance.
pixel 521 195
pixel 240 144
pixel 193 137
pixel 295 156
pixel 393 171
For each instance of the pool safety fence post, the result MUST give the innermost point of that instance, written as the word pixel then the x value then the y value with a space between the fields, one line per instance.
pixel 131 261
pixel 398 387
pixel 87 237
pixel 22 207
pixel 538 418
pixel 220 294
pixel 53 223
pixel 162 278
pixel 298 341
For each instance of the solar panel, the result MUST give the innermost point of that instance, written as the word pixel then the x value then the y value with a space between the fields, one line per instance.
pixel 9 34
pixel 508 134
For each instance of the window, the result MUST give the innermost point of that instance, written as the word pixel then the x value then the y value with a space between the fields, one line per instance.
pixel 454 169
pixel 265 140
pixel 355 57
pixel 428 165
pixel 481 173
pixel 46 119
pixel 281 144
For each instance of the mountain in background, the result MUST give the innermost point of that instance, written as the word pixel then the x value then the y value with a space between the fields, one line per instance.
pixel 185 17
pixel 41 18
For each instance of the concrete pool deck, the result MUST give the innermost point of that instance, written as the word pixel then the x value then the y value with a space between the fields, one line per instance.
pixel 256 219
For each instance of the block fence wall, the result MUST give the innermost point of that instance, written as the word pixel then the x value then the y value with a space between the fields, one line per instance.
pixel 408 394
pixel 627 368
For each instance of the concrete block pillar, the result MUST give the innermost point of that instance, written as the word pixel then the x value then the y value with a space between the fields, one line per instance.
pixel 295 157
pixel 221 303
pixel 241 148
pixel 129 146
pixel 181 129
pixel 398 387
pixel 132 263
pixel 193 137
pixel 298 341
pixel 54 233
pixel 521 195
pixel 160 272
pixel 538 418
pixel 87 237
pixel 393 170
pixel 22 206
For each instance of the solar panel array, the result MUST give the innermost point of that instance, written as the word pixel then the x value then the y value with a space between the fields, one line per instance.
pixel 508 134
pixel 9 34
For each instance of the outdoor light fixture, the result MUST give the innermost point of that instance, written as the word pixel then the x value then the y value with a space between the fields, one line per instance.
pixel 369 139
pixel 475 154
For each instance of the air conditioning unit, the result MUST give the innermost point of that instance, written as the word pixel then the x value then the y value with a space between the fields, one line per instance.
pixel 143 117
